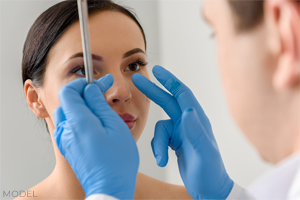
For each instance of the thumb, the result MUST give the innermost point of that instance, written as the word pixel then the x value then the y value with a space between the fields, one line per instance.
pixel 194 130
pixel 160 141
pixel 105 82
pixel 97 103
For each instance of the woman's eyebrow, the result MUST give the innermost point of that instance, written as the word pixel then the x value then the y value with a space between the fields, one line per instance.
pixel 80 54
pixel 99 58
pixel 133 51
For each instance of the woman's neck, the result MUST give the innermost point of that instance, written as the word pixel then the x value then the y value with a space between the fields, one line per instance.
pixel 63 179
pixel 65 182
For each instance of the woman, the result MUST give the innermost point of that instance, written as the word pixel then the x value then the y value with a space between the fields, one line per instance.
pixel 52 57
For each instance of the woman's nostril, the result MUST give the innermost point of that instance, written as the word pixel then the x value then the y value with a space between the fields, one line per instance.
pixel 120 94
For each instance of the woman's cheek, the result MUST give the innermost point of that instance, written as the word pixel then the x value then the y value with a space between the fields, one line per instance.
pixel 144 108
pixel 143 105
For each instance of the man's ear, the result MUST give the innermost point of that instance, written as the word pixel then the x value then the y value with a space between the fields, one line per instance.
pixel 34 100
pixel 284 18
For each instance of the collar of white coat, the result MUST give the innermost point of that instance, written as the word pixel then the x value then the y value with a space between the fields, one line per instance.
pixel 281 181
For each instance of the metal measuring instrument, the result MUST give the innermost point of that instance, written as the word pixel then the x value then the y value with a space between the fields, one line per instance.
pixel 85 38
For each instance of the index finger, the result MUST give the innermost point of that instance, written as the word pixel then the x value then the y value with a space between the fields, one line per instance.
pixel 159 96
pixel 180 91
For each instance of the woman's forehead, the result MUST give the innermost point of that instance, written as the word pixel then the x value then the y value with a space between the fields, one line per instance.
pixel 110 32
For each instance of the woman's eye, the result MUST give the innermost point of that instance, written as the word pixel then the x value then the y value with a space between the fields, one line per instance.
pixel 80 71
pixel 133 67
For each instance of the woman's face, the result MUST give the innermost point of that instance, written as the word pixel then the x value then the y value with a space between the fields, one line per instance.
pixel 118 48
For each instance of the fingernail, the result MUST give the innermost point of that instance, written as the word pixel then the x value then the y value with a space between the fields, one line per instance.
pixel 103 77
pixel 189 110
pixel 136 75
pixel 158 160
pixel 154 69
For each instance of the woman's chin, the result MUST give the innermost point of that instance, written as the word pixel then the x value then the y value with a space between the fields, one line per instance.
pixel 131 124
pixel 135 135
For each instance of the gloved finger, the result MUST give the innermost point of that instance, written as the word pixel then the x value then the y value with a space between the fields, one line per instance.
pixel 159 96
pixel 68 141
pixel 180 91
pixel 72 103
pixel 194 131
pixel 97 103
pixel 160 141
pixel 57 137
pixel 58 116
pixel 105 82
pixel 62 135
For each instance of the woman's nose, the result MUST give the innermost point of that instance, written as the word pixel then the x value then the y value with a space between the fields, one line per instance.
pixel 118 93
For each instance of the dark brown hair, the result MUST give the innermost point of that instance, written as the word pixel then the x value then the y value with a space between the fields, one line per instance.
pixel 50 26
pixel 248 13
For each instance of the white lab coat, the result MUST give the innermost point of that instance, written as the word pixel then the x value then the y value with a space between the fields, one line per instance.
pixel 282 182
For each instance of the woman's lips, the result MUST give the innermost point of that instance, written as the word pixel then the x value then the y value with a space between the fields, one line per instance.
pixel 128 119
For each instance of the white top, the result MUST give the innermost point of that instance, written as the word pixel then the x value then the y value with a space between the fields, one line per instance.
pixel 280 182
pixel 100 197
pixel 237 193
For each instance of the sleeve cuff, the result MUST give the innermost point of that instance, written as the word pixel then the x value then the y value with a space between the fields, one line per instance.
pixel 239 193
pixel 100 197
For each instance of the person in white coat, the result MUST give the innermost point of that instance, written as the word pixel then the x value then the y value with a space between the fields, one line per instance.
pixel 259 56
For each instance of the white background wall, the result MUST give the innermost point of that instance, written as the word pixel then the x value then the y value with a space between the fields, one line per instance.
pixel 177 38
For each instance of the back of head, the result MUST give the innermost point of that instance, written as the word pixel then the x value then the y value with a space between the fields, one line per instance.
pixel 248 13
pixel 258 50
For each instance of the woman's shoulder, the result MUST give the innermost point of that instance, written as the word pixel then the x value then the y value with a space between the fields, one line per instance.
pixel 37 192
pixel 42 190
pixel 32 193
pixel 146 188
pixel 151 188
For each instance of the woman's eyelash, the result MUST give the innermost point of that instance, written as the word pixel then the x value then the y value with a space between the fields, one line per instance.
pixel 80 70
pixel 140 62
pixel 77 68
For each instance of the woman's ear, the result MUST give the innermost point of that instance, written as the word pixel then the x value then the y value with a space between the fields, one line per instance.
pixel 284 18
pixel 34 100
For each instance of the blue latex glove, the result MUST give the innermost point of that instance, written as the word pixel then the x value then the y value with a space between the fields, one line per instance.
pixel 189 134
pixel 95 141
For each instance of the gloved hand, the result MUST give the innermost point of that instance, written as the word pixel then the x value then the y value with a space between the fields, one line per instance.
pixel 95 141
pixel 189 134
